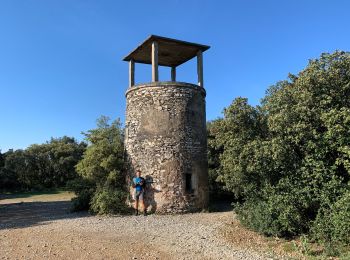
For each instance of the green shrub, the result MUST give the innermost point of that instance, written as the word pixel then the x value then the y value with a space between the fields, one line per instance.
pixel 84 190
pixel 109 201
pixel 255 215
pixel 340 217
pixel 82 201
pixel 275 214
pixel 332 225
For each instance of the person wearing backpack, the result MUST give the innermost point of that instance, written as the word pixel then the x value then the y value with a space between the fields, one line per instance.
pixel 139 183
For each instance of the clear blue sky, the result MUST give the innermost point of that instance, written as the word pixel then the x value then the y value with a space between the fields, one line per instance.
pixel 61 60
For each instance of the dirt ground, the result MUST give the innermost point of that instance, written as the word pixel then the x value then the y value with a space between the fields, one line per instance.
pixel 41 227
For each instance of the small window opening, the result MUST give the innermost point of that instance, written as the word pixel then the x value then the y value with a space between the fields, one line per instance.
pixel 189 183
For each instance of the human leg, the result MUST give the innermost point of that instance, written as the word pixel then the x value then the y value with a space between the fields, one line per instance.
pixel 142 202
pixel 136 203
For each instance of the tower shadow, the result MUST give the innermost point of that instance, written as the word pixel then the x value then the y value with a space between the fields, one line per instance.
pixel 149 194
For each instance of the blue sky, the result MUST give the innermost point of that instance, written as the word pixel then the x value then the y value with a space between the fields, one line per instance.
pixel 61 60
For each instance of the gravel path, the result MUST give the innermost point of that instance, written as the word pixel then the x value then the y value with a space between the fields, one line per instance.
pixel 45 230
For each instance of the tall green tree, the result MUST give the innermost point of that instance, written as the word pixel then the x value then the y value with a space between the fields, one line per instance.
pixel 101 186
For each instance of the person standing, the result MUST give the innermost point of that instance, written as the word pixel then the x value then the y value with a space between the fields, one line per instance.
pixel 139 184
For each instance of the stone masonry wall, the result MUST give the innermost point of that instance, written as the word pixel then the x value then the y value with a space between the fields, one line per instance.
pixel 165 137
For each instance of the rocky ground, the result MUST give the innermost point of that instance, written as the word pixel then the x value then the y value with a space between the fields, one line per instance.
pixel 46 230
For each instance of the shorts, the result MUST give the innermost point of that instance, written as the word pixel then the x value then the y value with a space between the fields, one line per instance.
pixel 139 195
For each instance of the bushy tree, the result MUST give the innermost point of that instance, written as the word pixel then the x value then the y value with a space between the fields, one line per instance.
pixel 242 125
pixel 101 186
pixel 289 159
pixel 8 178
pixel 216 188
pixel 64 153
pixel 2 160
pixel 15 170
pixel 41 166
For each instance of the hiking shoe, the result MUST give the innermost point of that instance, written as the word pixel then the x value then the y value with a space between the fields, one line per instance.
pixel 145 213
pixel 136 212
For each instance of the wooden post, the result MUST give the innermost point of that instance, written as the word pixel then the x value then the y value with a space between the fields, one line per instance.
pixel 154 61
pixel 131 73
pixel 200 68
pixel 173 73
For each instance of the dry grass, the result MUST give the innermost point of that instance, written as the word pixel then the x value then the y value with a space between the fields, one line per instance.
pixel 238 235
pixel 56 195
pixel 278 248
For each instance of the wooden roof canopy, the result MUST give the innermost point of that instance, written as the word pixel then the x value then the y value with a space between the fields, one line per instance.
pixel 171 52
pixel 157 50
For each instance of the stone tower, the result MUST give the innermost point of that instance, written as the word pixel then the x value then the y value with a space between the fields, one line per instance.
pixel 165 128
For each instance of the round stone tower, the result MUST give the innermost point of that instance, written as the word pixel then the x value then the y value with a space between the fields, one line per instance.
pixel 165 129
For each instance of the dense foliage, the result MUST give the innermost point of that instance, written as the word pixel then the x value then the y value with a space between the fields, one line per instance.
pixel 288 160
pixel 101 185
pixel 216 188
pixel 41 166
